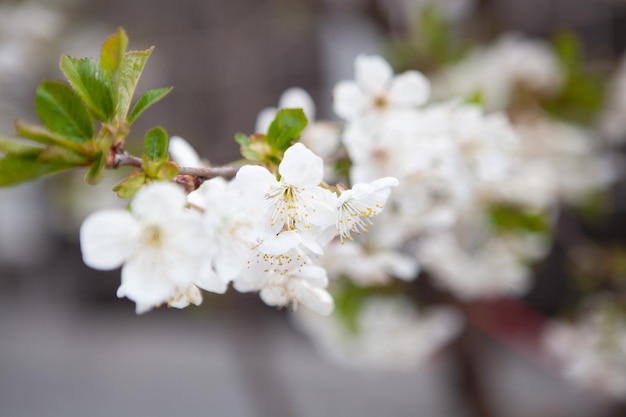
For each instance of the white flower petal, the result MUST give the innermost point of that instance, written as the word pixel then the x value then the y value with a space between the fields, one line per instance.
pixel 145 280
pixel 157 201
pixel 296 97
pixel 208 280
pixel 274 296
pixel 183 153
pixel 349 101
pixel 315 298
pixel 301 167
pixel 372 73
pixel 108 238
pixel 409 88
pixel 265 119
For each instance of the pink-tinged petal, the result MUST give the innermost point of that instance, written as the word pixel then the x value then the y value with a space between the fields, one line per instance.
pixel 301 167
pixel 108 238
pixel 411 88
pixel 314 298
pixel 349 101
pixel 157 201
pixel 145 280
pixel 265 119
pixel 373 74
pixel 297 98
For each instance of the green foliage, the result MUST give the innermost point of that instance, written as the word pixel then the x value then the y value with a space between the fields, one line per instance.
pixel 286 128
pixel 583 91
pixel 92 83
pixel 507 218
pixel 147 99
pixel 129 186
pixel 99 90
pixel 62 111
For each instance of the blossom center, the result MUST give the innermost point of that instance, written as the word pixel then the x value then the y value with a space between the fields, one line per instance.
pixel 289 209
pixel 152 236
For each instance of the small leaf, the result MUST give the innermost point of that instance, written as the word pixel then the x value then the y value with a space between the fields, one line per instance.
pixel 167 171
pixel 62 111
pixel 242 139
pixel 286 128
pixel 155 146
pixel 92 83
pixel 129 186
pixel 126 79
pixel 113 50
pixel 15 170
pixel 62 155
pixel 96 170
pixel 45 137
pixel 147 99
pixel 11 147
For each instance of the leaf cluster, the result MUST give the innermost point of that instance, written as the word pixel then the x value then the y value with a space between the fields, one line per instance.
pixel 85 120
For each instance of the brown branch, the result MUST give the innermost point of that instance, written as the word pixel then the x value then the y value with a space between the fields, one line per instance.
pixel 204 172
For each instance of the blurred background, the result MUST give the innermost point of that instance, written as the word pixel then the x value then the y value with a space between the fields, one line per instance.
pixel 69 347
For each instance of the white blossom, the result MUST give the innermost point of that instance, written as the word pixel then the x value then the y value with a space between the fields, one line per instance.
pixel 159 244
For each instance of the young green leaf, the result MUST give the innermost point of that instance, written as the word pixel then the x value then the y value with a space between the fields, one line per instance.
pixel 242 139
pixel 147 99
pixel 11 147
pixel 167 171
pixel 96 170
pixel 92 83
pixel 62 111
pixel 18 169
pixel 129 186
pixel 113 50
pixel 126 79
pixel 45 137
pixel 155 146
pixel 286 128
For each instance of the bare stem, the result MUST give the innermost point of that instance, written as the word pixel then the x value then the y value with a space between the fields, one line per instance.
pixel 205 172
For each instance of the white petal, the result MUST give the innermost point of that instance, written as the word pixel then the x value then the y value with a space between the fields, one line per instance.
pixel 281 243
pixel 410 88
pixel 208 280
pixel 296 97
pixel 253 181
pixel 265 119
pixel 315 275
pixel 144 279
pixel 274 296
pixel 158 200
pixel 301 167
pixel 315 298
pixel 372 73
pixel 183 153
pixel 181 299
pixel 108 238
pixel 349 101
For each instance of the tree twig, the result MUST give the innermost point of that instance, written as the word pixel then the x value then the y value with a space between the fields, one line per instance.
pixel 204 172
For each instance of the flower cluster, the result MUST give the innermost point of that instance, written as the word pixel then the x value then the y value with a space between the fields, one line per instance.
pixel 260 233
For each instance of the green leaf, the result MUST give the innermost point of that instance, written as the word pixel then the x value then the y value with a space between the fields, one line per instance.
pixel 129 186
pixel 11 147
pixel 92 83
pixel 510 218
pixel 17 169
pixel 113 50
pixel 147 99
pixel 126 79
pixel 286 128
pixel 155 146
pixel 62 111
pixel 45 137
pixel 96 170
pixel 167 171
pixel 242 139
pixel 62 155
